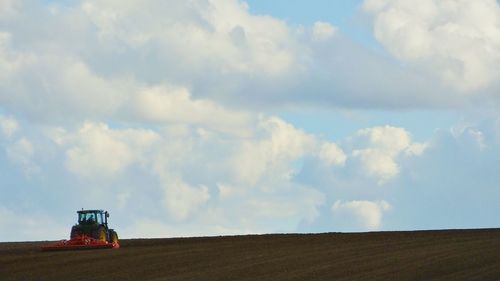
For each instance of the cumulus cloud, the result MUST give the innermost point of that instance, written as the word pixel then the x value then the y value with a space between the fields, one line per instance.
pixel 245 182
pixel 456 178
pixel 186 181
pixel 11 60
pixel 271 153
pixel 57 86
pixel 108 60
pixel 192 167
pixel 368 214
pixel 457 40
pixel 323 31
pixel 175 105
pixel 96 150
pixel 181 199
pixel 379 148
pixel 332 154
pixel 232 38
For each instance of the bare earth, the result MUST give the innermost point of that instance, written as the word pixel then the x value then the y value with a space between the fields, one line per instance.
pixel 424 255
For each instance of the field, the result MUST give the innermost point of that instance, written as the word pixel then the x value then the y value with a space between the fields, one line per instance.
pixel 421 255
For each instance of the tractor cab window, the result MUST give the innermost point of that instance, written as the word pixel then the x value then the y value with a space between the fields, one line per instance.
pixel 91 218
pixel 82 217
pixel 87 218
pixel 99 218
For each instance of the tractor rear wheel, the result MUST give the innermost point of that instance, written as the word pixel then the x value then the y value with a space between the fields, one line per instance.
pixel 74 232
pixel 113 237
pixel 100 234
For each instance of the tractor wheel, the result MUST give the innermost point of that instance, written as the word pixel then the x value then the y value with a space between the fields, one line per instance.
pixel 113 237
pixel 74 232
pixel 100 234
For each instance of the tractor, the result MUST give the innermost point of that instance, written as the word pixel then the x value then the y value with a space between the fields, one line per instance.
pixel 91 232
pixel 94 223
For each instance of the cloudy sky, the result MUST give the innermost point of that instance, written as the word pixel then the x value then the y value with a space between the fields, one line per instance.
pixel 211 117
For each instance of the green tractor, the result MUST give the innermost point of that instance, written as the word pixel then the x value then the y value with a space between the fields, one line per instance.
pixel 94 223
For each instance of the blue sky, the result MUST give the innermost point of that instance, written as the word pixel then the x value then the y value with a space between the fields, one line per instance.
pixel 339 13
pixel 214 117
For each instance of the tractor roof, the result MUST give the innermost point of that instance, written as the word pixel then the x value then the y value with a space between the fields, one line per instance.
pixel 90 211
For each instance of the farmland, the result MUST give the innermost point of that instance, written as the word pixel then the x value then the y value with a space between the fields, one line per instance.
pixel 419 255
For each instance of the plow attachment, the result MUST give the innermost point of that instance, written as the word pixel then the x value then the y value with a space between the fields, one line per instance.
pixel 81 242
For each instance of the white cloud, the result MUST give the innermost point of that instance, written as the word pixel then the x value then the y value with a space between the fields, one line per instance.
pixel 232 39
pixel 388 138
pixel 457 40
pixel 58 86
pixel 80 88
pixel 323 31
pixel 369 214
pixel 188 165
pixel 11 61
pixel 470 134
pixel 237 169
pixel 332 154
pixel 276 146
pixel 189 182
pixel 9 8
pixel 416 149
pixel 112 59
pixel 377 163
pixel 181 199
pixel 224 190
pixel 175 105
pixel 379 148
pixel 99 151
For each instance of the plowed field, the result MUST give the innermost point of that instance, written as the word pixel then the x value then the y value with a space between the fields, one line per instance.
pixel 423 255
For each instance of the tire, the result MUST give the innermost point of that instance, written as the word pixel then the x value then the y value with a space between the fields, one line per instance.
pixel 113 236
pixel 74 232
pixel 100 234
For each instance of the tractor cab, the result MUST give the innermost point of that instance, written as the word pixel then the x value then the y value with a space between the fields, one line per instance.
pixel 93 217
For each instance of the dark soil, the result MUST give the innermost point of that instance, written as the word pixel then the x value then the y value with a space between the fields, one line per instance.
pixel 422 255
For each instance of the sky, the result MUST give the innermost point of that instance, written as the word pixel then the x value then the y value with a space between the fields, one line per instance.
pixel 227 117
